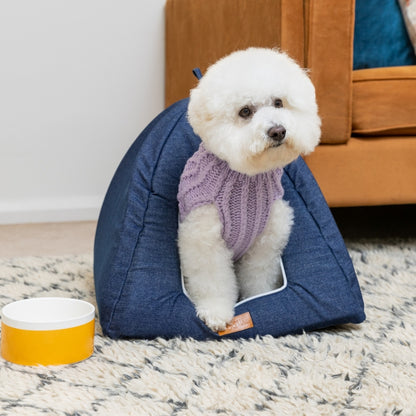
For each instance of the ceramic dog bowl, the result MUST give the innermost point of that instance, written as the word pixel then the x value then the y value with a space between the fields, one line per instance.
pixel 47 331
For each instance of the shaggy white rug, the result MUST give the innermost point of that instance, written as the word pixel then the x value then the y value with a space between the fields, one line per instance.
pixel 367 369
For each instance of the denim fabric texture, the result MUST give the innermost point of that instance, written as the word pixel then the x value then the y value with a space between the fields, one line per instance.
pixel 380 35
pixel 136 262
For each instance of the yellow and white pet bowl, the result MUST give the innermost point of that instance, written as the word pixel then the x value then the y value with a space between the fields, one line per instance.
pixel 47 331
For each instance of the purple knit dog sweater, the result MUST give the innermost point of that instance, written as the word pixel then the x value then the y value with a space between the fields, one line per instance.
pixel 243 202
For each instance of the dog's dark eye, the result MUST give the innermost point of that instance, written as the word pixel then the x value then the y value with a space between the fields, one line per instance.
pixel 245 112
pixel 278 103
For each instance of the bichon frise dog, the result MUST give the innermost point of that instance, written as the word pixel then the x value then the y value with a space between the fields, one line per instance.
pixel 255 111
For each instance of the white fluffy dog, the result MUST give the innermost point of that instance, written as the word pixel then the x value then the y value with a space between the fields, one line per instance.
pixel 255 111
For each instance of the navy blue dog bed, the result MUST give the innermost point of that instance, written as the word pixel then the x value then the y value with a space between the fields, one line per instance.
pixel 136 262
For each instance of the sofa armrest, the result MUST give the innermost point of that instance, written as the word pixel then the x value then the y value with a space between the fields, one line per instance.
pixel 329 45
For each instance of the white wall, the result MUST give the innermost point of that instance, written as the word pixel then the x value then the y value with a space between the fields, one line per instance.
pixel 79 79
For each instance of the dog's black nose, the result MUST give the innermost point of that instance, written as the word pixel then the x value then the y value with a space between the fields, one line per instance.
pixel 277 133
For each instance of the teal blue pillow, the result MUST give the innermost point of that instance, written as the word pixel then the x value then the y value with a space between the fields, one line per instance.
pixel 380 36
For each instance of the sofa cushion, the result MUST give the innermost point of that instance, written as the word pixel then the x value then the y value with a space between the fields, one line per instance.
pixel 384 101
pixel 366 172
pixel 380 35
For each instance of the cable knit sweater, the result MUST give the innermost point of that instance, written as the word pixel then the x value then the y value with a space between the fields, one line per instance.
pixel 243 201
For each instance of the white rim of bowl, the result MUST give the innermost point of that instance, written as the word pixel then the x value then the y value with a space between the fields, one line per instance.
pixel 18 314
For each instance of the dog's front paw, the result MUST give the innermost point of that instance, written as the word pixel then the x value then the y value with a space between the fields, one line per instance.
pixel 216 314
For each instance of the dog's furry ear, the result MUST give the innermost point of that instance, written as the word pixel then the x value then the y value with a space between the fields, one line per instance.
pixel 199 115
pixel 194 95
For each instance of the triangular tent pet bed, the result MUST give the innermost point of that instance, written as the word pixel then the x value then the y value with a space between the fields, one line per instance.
pixel 136 262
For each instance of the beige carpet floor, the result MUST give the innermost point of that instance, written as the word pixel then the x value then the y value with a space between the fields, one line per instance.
pixel 367 369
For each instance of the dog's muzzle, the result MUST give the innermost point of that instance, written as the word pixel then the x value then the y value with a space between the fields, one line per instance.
pixel 277 134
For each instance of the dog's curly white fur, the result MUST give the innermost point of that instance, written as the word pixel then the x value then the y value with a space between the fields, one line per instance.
pixel 256 110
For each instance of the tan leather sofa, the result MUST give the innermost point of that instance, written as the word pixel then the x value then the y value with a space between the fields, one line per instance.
pixel 367 154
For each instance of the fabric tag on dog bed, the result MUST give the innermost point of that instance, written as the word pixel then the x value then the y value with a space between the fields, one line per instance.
pixel 239 323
